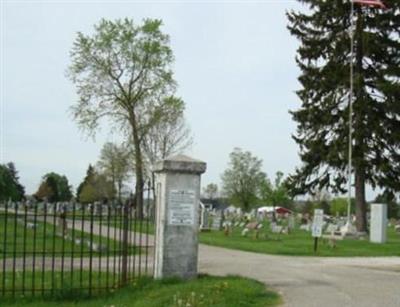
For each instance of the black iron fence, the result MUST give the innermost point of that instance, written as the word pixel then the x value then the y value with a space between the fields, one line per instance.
pixel 48 248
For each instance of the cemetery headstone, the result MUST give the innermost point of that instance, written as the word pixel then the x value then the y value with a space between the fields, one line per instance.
pixel 204 218
pixel 217 221
pixel 331 228
pixel 291 222
pixel 378 223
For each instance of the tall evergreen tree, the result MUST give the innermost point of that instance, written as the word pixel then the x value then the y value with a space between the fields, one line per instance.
pixel 393 207
pixel 95 187
pixel 322 120
pixel 90 173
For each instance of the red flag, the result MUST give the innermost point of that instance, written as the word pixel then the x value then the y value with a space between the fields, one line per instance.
pixel 378 3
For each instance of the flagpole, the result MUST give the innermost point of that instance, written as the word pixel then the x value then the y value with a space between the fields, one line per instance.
pixel 350 112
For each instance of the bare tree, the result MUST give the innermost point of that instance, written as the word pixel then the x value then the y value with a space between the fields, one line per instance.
pixel 169 137
pixel 211 191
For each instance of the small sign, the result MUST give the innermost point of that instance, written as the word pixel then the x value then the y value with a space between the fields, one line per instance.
pixel 318 222
pixel 181 207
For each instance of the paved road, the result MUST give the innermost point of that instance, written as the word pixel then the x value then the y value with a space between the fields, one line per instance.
pixel 312 281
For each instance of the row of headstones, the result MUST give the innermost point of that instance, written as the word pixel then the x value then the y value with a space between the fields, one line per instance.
pixel 216 220
pixel 333 225
pixel 336 226
pixel 58 207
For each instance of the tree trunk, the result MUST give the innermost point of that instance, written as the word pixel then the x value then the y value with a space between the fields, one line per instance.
pixel 138 168
pixel 153 189
pixel 139 181
pixel 361 206
pixel 119 190
pixel 360 130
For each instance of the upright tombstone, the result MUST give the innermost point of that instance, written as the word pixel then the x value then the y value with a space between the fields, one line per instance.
pixel 217 221
pixel 204 222
pixel 177 196
pixel 291 222
pixel 378 223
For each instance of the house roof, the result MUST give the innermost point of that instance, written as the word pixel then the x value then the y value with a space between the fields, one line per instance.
pixel 269 209
pixel 215 203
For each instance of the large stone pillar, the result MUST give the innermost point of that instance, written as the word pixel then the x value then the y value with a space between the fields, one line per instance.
pixel 177 216
pixel 378 223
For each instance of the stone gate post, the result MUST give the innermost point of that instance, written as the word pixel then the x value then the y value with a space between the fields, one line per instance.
pixel 177 216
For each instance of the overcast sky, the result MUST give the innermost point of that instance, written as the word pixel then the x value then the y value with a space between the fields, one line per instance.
pixel 234 62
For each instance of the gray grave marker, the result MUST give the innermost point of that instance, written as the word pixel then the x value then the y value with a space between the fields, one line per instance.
pixel 378 223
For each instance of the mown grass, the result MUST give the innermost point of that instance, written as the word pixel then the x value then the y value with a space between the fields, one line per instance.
pixel 207 291
pixel 16 240
pixel 142 226
pixel 297 243
pixel 26 285
pixel 300 243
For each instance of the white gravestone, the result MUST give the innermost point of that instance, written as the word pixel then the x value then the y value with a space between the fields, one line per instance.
pixel 378 223
pixel 217 221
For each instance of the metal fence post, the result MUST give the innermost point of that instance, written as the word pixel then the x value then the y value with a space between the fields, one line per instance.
pixel 124 269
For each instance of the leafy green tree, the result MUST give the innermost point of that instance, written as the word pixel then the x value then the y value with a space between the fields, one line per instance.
pixel 324 205
pixel 54 188
pixel 243 179
pixel 115 164
pixel 46 191
pixel 95 187
pixel 90 173
pixel 308 207
pixel 338 206
pixel 123 72
pixel 10 188
pixel 321 200
pixel 276 194
pixel 322 120
pixel 392 205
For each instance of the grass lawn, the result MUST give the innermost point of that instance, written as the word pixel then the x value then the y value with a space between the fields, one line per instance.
pixel 205 291
pixel 136 225
pixel 16 240
pixel 300 243
pixel 26 284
